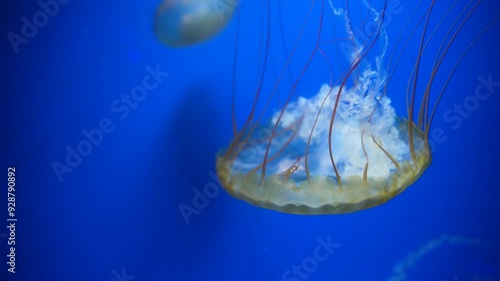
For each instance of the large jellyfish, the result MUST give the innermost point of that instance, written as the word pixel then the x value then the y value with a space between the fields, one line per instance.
pixel 343 149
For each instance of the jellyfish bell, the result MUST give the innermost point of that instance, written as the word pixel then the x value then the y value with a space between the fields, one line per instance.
pixel 343 149
pixel 181 23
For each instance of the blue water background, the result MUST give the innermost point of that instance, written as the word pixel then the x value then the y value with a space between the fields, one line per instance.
pixel 119 208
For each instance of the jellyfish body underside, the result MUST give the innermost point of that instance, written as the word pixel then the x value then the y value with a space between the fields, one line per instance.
pixel 322 194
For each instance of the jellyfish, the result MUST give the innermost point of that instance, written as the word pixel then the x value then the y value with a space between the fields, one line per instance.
pixel 343 149
pixel 180 23
pixel 401 268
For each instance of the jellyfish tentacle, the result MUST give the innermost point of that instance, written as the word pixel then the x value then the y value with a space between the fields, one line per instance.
pixel 282 149
pixel 294 87
pixel 233 79
pixel 471 44
pixel 365 172
pixel 411 140
pixel 441 58
pixel 293 168
pixel 422 116
pixel 393 160
pixel 237 138
pixel 396 64
pixel 253 127
pixel 353 66
pixel 287 63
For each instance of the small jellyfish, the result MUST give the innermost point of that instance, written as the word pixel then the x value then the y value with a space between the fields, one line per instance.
pixel 180 23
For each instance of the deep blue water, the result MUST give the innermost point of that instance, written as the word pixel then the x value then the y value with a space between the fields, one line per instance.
pixel 115 214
